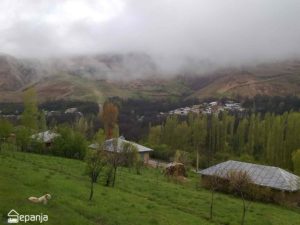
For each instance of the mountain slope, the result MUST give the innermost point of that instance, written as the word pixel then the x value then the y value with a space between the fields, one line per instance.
pixel 136 75
pixel 14 74
pixel 269 79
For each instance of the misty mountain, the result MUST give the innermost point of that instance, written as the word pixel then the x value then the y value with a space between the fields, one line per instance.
pixel 107 66
pixel 95 77
pixel 15 74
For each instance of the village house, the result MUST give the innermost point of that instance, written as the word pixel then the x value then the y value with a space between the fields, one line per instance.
pixel 46 137
pixel 120 142
pixel 71 110
pixel 283 185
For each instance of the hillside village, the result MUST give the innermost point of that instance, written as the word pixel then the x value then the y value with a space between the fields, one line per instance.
pixel 214 107
pixel 127 112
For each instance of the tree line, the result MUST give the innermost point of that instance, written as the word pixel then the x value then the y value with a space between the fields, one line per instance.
pixel 273 104
pixel 207 139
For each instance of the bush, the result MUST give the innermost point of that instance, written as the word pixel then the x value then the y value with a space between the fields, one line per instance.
pixel 37 146
pixel 70 144
pixel 9 147
pixel 23 138
pixel 246 158
pixel 161 152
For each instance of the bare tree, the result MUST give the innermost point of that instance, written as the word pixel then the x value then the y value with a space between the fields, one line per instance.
pixel 115 159
pixel 138 162
pixel 240 182
pixel 214 183
pixel 95 163
pixel 127 155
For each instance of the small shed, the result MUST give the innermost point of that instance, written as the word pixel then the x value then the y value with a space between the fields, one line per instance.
pixel 282 183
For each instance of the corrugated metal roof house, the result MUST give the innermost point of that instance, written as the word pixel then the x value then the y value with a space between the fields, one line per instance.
pixel 266 176
pixel 119 144
pixel 273 183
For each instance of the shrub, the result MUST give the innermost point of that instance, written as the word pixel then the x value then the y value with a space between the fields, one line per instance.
pixel 161 152
pixel 9 147
pixel 70 144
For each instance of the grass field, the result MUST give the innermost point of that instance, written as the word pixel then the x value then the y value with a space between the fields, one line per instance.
pixel 136 200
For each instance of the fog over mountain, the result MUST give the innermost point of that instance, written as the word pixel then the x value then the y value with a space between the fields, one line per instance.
pixel 175 33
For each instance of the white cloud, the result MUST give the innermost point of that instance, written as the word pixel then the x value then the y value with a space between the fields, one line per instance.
pixel 225 31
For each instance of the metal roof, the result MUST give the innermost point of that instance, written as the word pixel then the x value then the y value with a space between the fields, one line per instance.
pixel 93 146
pixel 109 145
pixel 267 176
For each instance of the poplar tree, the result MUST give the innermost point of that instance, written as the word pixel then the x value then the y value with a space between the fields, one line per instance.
pixel 250 136
pixel 169 129
pixel 5 129
pixel 154 136
pixel 30 114
pixel 109 117
pixel 296 161
pixel 198 134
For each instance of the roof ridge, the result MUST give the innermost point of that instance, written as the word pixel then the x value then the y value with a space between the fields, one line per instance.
pixel 275 167
pixel 282 171
pixel 283 174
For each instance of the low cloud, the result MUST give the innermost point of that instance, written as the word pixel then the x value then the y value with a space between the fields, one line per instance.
pixel 212 32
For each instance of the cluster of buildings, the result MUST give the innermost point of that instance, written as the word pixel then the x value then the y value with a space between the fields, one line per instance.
pixel 67 111
pixel 114 145
pixel 70 111
pixel 214 107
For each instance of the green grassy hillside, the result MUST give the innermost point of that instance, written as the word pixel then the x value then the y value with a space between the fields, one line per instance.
pixel 137 199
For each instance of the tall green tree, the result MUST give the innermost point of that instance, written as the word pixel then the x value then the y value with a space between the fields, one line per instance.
pixel 82 126
pixel 296 162
pixel 154 137
pixel 30 114
pixel 23 138
pixel 198 133
pixel 69 143
pixel 182 136
pixel 168 131
pixel 6 128
pixel 42 123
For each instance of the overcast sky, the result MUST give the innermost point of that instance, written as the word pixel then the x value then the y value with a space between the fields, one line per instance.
pixel 215 30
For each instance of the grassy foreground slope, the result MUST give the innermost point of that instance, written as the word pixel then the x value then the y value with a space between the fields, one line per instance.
pixel 136 200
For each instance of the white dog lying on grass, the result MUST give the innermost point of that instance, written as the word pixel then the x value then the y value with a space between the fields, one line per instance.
pixel 43 199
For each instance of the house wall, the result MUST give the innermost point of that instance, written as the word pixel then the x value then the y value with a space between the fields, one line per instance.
pixel 145 157
pixel 264 194
pixel 289 198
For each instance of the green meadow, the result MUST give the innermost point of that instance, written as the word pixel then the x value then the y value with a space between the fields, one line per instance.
pixel 146 199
